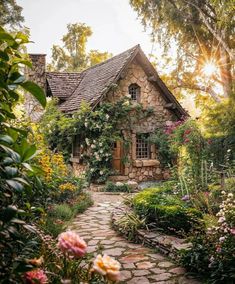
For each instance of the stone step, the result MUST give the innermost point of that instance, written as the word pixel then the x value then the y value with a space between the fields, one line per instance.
pixel 118 178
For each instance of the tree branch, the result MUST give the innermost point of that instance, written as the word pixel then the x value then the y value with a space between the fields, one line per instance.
pixel 208 90
pixel 215 33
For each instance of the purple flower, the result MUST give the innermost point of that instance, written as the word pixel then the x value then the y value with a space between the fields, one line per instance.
pixel 185 198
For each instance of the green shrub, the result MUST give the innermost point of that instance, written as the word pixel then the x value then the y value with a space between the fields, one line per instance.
pixel 82 203
pixel 62 212
pixel 166 211
pixel 53 226
pixel 118 187
pixel 213 253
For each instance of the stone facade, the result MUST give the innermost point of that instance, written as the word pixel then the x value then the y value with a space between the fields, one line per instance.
pixel 37 75
pixel 143 169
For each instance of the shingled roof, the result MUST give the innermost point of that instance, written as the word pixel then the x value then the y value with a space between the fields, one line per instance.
pixel 62 85
pixel 93 83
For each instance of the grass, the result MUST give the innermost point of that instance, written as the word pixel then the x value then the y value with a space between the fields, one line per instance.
pixel 61 215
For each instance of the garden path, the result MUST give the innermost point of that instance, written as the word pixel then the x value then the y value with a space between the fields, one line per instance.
pixel 140 265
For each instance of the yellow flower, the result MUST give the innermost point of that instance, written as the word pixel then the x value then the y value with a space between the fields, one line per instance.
pixel 107 266
pixel 67 186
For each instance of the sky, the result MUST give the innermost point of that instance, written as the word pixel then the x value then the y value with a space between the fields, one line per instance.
pixel 114 24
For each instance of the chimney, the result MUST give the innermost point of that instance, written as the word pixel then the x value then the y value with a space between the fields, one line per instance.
pixel 38 72
pixel 37 75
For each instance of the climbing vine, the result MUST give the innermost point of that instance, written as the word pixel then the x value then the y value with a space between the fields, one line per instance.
pixel 95 130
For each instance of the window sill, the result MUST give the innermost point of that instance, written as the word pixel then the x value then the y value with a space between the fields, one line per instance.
pixel 74 160
pixel 146 163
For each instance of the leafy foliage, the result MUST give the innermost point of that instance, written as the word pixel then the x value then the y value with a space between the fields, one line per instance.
pixel 16 174
pixel 166 211
pixel 10 13
pixel 212 253
pixel 97 129
pixel 72 56
pixel 117 187
pixel 202 32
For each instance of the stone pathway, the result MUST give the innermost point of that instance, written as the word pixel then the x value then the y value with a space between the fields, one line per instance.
pixel 139 264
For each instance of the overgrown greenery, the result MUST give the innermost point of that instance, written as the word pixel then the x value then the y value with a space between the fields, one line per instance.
pixel 203 34
pixel 165 210
pixel 17 180
pixel 97 129
pixel 117 187
pixel 72 56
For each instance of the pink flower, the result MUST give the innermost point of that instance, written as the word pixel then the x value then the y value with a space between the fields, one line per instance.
pixel 71 243
pixel 36 276
pixel 107 266
pixel 185 198
pixel 232 231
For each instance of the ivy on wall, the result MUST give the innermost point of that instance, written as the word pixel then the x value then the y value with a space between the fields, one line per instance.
pixel 96 130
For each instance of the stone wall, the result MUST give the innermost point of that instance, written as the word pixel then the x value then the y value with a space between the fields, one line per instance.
pixel 78 169
pixel 37 75
pixel 137 169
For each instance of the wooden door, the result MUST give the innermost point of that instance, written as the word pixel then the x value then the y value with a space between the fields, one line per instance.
pixel 117 157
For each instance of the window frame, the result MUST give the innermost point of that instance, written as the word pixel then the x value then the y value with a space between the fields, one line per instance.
pixel 143 146
pixel 134 87
pixel 76 147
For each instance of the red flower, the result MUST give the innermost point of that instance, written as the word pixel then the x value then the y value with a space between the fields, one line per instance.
pixel 187 131
pixel 36 276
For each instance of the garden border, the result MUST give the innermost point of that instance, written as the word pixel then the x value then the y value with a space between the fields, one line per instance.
pixel 166 244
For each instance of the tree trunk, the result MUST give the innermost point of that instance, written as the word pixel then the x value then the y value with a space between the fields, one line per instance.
pixel 225 72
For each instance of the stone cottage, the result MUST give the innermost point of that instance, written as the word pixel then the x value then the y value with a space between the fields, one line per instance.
pixel 134 77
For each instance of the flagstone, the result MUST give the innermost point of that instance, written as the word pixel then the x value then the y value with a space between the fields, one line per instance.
pixel 140 265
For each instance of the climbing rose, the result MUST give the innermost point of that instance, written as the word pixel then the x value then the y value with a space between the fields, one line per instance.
pixel 71 243
pixel 36 276
pixel 107 266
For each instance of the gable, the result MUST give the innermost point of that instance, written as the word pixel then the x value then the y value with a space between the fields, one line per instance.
pixel 150 95
pixel 95 82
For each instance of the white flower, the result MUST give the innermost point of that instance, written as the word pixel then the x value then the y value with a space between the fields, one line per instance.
pixel 223 192
pixel 101 151
pixel 101 144
pixel 101 173
pixel 221 239
pixel 107 116
pixel 86 124
pixel 230 195
pixel 87 141
pixel 221 220
pixel 127 103
pixel 92 146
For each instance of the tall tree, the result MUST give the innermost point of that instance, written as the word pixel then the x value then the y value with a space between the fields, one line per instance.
pixel 73 56
pixel 10 14
pixel 203 31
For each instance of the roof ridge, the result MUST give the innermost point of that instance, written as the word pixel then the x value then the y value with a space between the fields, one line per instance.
pixel 58 72
pixel 83 73
pixel 107 60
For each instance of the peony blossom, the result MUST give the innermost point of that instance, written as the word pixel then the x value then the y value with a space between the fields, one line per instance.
pixel 71 243
pixel 107 266
pixel 36 276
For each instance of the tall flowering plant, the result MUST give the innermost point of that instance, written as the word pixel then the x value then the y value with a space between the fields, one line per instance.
pixel 213 253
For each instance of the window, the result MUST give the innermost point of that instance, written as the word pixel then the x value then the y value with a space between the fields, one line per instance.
pixel 134 92
pixel 142 146
pixel 76 147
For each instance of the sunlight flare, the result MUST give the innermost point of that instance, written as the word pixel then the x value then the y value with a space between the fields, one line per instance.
pixel 209 68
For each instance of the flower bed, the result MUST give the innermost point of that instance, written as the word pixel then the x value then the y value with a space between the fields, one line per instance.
pixel 166 244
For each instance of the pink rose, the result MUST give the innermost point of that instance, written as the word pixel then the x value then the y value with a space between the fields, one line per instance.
pixel 36 276
pixel 71 243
